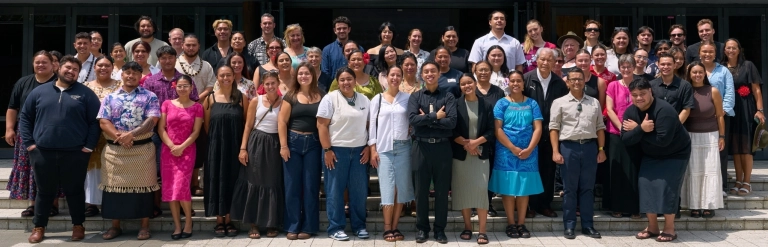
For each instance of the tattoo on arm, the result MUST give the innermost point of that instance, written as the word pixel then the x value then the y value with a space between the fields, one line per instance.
pixel 145 127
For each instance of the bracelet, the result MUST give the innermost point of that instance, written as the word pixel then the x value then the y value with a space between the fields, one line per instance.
pixel 760 110
pixel 283 147
pixel 243 149
pixel 722 136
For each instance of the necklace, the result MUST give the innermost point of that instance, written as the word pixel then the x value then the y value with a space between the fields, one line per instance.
pixel 199 68
pixel 90 69
pixel 515 101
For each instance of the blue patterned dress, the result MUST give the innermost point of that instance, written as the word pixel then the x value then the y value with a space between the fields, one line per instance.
pixel 512 176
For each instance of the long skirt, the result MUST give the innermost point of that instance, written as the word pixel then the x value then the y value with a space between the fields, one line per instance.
pixel 469 185
pixel 258 197
pixel 702 184
pixel 622 195
pixel 659 184
pixel 123 206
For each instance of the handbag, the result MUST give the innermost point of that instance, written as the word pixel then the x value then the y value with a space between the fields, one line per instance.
pixel 760 140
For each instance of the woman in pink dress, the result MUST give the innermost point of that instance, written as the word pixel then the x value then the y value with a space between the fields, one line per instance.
pixel 179 126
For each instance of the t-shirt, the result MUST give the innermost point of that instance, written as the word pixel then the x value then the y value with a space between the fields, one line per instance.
pixel 155 45
pixel 22 88
pixel 347 127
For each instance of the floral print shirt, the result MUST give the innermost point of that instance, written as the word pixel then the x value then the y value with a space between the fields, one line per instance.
pixel 127 110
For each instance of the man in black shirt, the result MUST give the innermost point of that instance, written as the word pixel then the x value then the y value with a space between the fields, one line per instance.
pixel 432 113
pixel 223 30
pixel 706 33
pixel 544 86
pixel 672 89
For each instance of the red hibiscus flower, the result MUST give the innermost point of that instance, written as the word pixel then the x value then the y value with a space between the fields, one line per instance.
pixel 743 91
pixel 366 58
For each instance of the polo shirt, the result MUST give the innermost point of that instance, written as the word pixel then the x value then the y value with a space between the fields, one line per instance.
pixel 679 93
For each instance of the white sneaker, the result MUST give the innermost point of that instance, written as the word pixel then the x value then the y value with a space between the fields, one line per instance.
pixel 362 234
pixel 339 236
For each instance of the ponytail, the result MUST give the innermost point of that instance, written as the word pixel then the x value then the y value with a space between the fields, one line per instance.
pixel 528 43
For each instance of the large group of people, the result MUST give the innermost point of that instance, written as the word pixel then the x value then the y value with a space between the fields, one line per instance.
pixel 147 122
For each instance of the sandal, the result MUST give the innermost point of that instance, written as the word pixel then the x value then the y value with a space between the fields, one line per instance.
pixel 156 212
pixel 231 230
pixel 708 214
pixel 144 234
pixel 54 211
pixel 220 230
pixel 113 232
pixel 744 191
pixel 650 235
pixel 616 215
pixel 482 238
pixel 398 235
pixel 389 236
pixel 695 213
pixel 254 233
pixel 271 233
pixel 466 235
pixel 29 212
pixel 735 189
pixel 669 237
pixel 197 191
pixel 91 211
pixel 523 232
pixel 512 231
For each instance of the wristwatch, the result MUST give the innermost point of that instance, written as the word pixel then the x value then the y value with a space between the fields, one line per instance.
pixel 600 149
pixel 325 150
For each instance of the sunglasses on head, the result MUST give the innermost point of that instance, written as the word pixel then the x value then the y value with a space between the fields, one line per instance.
pixel 621 29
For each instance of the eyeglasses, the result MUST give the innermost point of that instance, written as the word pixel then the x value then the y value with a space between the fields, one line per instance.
pixel 644 58
pixel 589 30
pixel 183 86
pixel 676 35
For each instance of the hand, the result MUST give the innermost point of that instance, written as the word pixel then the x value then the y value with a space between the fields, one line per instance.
pixel 365 155
pixel 525 153
pixel 30 148
pixel 721 143
pixel 628 125
pixel 647 124
pixel 330 159
pixel 10 137
pixel 421 112
pixel 243 157
pixel 125 137
pixel 285 153
pixel 557 158
pixel 441 113
pixel 600 156
pixel 176 150
pixel 375 158
pixel 758 115
pixel 516 151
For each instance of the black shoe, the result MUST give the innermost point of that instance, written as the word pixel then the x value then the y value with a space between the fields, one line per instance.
pixel 441 238
pixel 569 234
pixel 492 212
pixel 422 236
pixel 590 232
pixel 176 236
pixel 474 213
pixel 185 234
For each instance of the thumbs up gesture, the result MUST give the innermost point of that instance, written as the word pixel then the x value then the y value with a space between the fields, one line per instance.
pixel 647 124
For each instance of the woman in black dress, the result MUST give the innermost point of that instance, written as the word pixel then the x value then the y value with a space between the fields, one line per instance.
pixel 748 109
pixel 224 122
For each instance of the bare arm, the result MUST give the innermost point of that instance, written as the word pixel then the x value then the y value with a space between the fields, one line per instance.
pixel 250 120
pixel 323 132
pixel 108 128
pixel 282 123
pixel 758 93
pixel 207 115
pixel 145 126
pixel 162 132
pixel 684 114
pixel 10 126
pixel 537 128
pixel 601 87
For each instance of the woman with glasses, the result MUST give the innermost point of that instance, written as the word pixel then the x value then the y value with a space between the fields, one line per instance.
pixel 592 33
pixel 274 48
pixel 662 47
pixel 533 41
pixel 559 56
pixel 621 192
pixel 258 194
pixel 641 62
pixel 620 44
pixel 458 56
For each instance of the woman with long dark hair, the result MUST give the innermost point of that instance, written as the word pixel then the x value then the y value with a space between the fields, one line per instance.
pixel 237 61
pixel 367 84
pixel 498 60
pixel 387 36
pixel 387 58
pixel 449 40
pixel 237 44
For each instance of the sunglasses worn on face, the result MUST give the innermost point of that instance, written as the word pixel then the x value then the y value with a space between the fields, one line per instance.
pixel 592 30
pixel 675 35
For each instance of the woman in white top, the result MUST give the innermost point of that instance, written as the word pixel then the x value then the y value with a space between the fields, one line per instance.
pixel 258 194
pixel 499 70
pixel 341 119
pixel 390 147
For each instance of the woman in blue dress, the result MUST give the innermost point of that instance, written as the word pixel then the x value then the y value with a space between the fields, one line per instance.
pixel 515 174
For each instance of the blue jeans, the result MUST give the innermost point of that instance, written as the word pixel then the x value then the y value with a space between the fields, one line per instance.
pixel 348 173
pixel 578 173
pixel 395 173
pixel 301 176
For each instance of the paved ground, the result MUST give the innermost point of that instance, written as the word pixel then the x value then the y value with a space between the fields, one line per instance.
pixel 686 238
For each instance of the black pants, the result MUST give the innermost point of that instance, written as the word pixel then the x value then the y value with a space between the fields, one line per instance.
pixel 433 162
pixel 724 153
pixel 54 169
pixel 547 172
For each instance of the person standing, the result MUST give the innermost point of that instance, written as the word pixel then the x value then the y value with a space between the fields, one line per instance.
pixel 543 86
pixel 83 48
pixel 706 29
pixel 222 29
pixel 645 42
pixel 176 38
pixel 450 40
pixel 294 44
pixel 413 46
pixel 577 135
pixel 672 89
pixel 258 47
pixel 706 126
pixel 224 119
pixel 128 174
pixel 57 111
pixel 191 64
pixel 514 51
pixel 533 42
pixel 333 53
pixel 665 148
pixel 146 28
pixel 237 44
pixel 677 36
pixel 592 34
pixel 432 113
pixel 259 194
pixel 180 124
pixel 21 182
pixel 472 145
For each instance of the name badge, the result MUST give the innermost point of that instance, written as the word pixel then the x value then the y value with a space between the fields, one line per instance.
pixel 452 80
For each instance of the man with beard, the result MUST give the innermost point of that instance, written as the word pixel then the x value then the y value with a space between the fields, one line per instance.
pixel 677 35
pixel 146 28
pixel 544 86
pixel 82 46
pixel 644 41
pixel 59 128
pixel 707 34
pixel 333 53
pixel 258 47
pixel 223 30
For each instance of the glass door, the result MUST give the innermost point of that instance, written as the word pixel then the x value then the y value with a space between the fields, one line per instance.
pixel 567 19
pixel 212 14
pixel 660 20
pixel 613 18
pixel 749 27
pixel 50 24
pixel 126 21
pixel 183 18
pixel 90 19
pixel 694 15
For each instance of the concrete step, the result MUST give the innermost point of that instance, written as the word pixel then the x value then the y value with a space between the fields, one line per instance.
pixel 724 220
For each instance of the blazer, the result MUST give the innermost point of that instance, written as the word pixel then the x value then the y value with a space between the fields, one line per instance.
pixel 485 128
pixel 535 91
